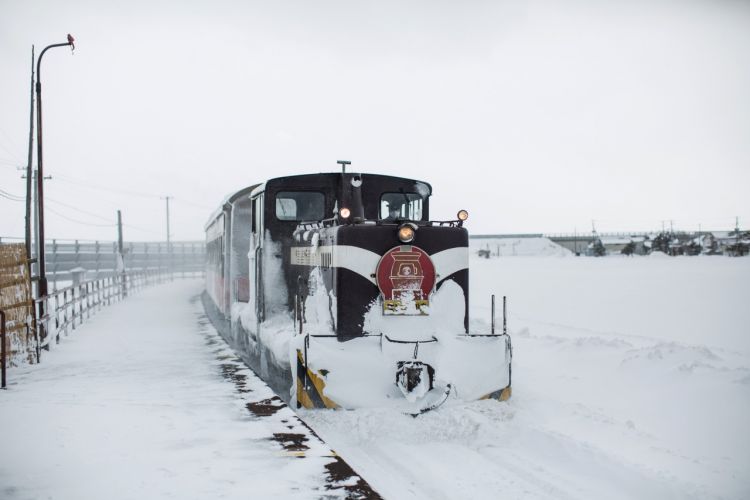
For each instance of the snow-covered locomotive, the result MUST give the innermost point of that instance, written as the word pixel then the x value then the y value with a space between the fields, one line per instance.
pixel 339 291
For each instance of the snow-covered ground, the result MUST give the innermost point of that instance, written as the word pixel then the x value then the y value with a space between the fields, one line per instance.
pixel 146 401
pixel 631 380
pixel 518 247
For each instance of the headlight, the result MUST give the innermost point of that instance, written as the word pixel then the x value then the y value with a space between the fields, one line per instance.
pixel 406 233
pixel 462 215
pixel 345 213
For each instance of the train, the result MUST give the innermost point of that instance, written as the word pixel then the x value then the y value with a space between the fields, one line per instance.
pixel 339 291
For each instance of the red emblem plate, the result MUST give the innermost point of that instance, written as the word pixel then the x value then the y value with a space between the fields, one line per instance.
pixel 406 278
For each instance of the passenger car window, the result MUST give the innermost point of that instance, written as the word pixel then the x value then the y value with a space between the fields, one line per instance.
pixel 300 205
pixel 401 206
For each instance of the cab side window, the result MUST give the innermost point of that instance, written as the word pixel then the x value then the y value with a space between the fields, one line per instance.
pixel 300 206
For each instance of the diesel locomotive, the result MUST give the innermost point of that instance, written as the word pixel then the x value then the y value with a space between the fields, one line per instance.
pixel 340 291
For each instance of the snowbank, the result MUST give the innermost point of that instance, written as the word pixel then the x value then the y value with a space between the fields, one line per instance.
pixel 630 380
pixel 133 405
pixel 518 247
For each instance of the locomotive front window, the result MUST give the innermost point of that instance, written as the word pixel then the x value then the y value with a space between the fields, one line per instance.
pixel 300 205
pixel 401 206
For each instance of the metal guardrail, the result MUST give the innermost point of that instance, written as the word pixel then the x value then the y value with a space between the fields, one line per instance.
pixel 582 235
pixel 68 307
pixel 504 236
pixel 100 258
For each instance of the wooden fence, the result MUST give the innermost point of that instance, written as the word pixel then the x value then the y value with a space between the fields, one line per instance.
pixel 17 303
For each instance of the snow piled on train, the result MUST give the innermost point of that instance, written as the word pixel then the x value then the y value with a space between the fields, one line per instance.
pixel 274 333
pixel 360 371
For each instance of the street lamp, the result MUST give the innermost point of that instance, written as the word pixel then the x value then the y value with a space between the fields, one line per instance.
pixel 42 287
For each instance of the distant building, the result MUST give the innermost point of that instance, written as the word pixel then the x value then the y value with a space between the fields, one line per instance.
pixel 616 244
pixel 736 243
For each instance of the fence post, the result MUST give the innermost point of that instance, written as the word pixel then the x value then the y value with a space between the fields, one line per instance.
pixel 77 251
pixel 65 309
pixel 88 302
pixel 81 299
pixel 73 307
pixel 57 306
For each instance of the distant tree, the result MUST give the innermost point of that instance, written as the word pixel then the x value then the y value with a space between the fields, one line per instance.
pixel 596 248
pixel 710 245
pixel 629 249
pixel 693 248
pixel 739 248
pixel 661 243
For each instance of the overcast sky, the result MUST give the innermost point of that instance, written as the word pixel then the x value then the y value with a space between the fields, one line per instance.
pixel 536 116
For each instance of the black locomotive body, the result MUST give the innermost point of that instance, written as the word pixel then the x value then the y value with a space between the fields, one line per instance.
pixel 340 291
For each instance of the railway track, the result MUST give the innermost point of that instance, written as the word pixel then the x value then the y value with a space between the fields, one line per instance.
pixel 295 439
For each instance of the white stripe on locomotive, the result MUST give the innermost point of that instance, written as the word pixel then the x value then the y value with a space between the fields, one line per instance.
pixel 364 262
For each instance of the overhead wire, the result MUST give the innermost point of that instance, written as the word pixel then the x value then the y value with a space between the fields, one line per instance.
pixel 72 180
pixel 7 150
pixel 9 140
pixel 191 203
pixel 77 221
pixel 11 196
pixel 77 209
pixel 11 153
pixel 111 222
pixel 141 229
pixel 93 186
pixel 9 163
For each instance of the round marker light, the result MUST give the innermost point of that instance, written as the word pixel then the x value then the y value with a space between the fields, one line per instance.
pixel 406 233
pixel 462 215
pixel 345 213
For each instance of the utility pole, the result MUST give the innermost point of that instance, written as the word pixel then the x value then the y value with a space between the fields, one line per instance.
pixel 737 231
pixel 36 225
pixel 169 245
pixel 29 166
pixel 119 232
pixel 29 184
pixel 121 257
